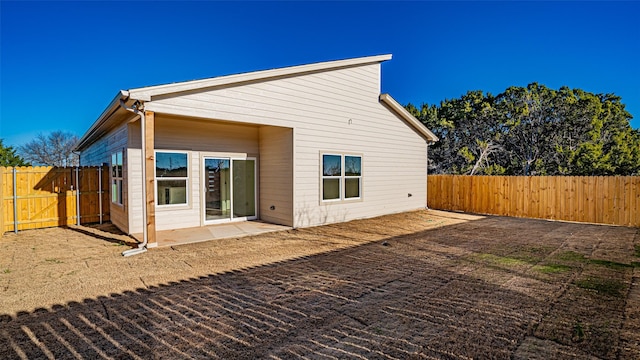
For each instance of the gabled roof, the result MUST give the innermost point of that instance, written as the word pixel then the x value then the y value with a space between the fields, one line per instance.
pixel 415 123
pixel 114 114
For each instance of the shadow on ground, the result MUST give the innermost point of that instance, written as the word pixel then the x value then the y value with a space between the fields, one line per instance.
pixel 478 289
pixel 106 232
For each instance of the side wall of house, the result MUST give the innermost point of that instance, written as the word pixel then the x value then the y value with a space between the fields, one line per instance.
pixel 198 138
pixel 99 153
pixel 276 175
pixel 335 111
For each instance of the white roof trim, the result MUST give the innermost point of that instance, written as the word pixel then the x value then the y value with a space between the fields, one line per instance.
pixel 102 119
pixel 395 106
pixel 146 93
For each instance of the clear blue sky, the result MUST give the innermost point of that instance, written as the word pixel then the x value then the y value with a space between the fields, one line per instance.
pixel 62 62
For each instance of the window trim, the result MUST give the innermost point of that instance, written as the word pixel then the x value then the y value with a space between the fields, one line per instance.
pixel 186 179
pixel 342 178
pixel 118 179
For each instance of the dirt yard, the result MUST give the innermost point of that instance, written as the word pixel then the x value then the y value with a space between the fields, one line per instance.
pixel 423 284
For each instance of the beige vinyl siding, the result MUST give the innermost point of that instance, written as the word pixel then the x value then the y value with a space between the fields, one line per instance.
pixel 301 99
pixel 335 111
pixel 95 154
pixel 99 153
pixel 197 137
pixel 276 175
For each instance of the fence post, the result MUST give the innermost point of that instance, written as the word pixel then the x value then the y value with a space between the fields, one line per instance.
pixel 15 201
pixel 77 198
pixel 100 191
pixel 1 200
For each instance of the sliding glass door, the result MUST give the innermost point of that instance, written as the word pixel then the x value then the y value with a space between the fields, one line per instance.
pixel 229 189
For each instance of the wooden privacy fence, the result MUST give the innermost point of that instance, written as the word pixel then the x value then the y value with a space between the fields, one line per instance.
pixel 38 197
pixel 594 199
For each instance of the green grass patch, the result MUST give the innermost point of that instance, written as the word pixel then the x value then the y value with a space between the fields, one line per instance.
pixel 578 332
pixel 552 268
pixel 577 257
pixel 6 271
pixel 602 286
pixel 635 264
pixel 637 250
pixel 610 264
pixel 528 258
pixel 570 256
pixel 54 261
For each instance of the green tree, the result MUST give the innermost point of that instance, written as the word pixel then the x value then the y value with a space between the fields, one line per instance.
pixel 471 137
pixel 530 117
pixel 532 130
pixel 610 146
pixel 9 157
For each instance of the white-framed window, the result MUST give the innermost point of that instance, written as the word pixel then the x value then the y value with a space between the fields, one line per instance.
pixel 116 177
pixel 172 177
pixel 341 177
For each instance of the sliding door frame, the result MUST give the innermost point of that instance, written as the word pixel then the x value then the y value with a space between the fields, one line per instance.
pixel 203 188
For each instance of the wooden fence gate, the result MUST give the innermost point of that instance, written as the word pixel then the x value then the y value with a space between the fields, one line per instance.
pixel 594 199
pixel 45 196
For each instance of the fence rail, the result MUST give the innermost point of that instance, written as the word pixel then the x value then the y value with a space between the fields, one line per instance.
pixel 594 199
pixel 44 196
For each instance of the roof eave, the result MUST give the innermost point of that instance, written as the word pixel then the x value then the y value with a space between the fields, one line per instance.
pixel 403 113
pixel 102 119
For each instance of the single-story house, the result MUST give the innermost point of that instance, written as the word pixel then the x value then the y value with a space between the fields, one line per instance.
pixel 299 146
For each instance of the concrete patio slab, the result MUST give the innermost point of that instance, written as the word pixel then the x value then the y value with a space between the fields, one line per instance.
pixel 213 232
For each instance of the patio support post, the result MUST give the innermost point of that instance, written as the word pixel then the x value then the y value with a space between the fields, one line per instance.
pixel 149 157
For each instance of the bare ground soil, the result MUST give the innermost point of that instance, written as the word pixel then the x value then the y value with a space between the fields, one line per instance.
pixel 424 284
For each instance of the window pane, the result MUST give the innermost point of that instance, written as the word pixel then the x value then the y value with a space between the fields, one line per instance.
pixel 244 197
pixel 172 192
pixel 120 192
pixel 351 188
pixel 114 165
pixel 352 166
pixel 114 191
pixel 331 165
pixel 119 163
pixel 171 165
pixel 330 189
pixel 218 185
